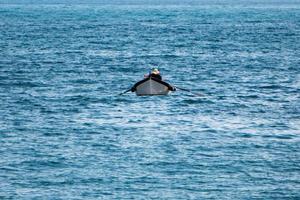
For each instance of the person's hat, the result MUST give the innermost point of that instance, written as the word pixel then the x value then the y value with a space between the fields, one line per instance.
pixel 155 71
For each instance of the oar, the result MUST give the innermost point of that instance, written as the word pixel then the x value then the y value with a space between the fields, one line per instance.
pixel 188 90
pixel 125 92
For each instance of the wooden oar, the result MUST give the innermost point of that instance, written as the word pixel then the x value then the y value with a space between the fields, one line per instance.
pixel 125 92
pixel 188 90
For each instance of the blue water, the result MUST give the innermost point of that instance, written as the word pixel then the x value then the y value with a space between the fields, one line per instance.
pixel 66 134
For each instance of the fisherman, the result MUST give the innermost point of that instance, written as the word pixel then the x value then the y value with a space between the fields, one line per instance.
pixel 154 73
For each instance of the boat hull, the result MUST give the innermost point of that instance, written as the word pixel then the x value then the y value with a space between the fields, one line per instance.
pixel 151 86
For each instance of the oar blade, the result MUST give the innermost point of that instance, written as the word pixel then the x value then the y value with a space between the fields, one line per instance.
pixel 190 91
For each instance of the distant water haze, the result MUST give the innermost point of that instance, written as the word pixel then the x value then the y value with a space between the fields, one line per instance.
pixel 153 2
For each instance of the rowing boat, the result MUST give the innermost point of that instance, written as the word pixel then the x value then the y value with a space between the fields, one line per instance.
pixel 152 86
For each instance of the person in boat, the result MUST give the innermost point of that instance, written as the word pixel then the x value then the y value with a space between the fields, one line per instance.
pixel 154 73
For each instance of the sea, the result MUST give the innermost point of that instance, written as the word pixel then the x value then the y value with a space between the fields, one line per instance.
pixel 66 133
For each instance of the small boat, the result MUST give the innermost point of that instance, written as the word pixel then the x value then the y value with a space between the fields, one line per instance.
pixel 152 86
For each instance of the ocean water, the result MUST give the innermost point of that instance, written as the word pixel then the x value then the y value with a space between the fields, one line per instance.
pixel 66 134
